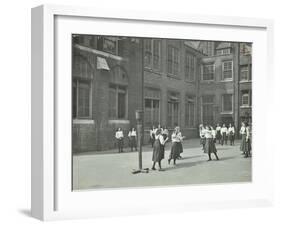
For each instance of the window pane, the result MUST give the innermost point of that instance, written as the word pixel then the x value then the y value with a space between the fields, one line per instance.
pixel 156 112
pixel 156 54
pixel 208 72
pixel 121 105
pixel 84 100
pixel 227 102
pixel 74 100
pixel 112 103
pixel 227 70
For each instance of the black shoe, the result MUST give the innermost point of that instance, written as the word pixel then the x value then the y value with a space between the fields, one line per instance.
pixel 161 169
pixel 209 160
pixel 169 160
pixel 153 168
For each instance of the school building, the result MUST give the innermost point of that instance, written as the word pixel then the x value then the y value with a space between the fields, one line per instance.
pixel 182 83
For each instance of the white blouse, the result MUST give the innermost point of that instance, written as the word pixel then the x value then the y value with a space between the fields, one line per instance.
pixel 161 139
pixel 132 134
pixel 243 130
pixel 119 134
pixel 223 130
pixel 231 129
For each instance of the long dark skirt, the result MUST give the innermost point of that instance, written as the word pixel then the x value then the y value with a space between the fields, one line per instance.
pixel 243 145
pixel 218 135
pixel 152 140
pixel 231 138
pixel 210 146
pixel 248 147
pixel 158 151
pixel 133 142
pixel 175 150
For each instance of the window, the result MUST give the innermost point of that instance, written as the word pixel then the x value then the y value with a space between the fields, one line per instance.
pixel 110 45
pixel 208 71
pixel 152 53
pixel 117 102
pixel 81 91
pixel 173 60
pixel 245 101
pixel 189 67
pixel 245 49
pixel 221 52
pixel 207 109
pixel 245 74
pixel 227 103
pixel 151 107
pixel 81 87
pixel 227 68
pixel 173 110
pixel 189 111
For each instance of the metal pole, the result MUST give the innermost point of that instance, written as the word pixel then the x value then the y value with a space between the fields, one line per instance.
pixel 139 130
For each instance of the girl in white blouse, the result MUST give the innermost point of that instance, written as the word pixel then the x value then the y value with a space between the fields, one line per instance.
pixel 231 134
pixel 119 137
pixel 133 139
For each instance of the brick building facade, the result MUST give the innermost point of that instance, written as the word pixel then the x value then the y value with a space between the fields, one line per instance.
pixel 182 83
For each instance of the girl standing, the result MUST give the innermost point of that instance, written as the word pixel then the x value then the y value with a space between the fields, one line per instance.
pixel 231 134
pixel 152 135
pixel 210 146
pixel 243 132
pixel 202 136
pixel 176 146
pixel 158 149
pixel 119 137
pixel 218 133
pixel 223 134
pixel 248 141
pixel 133 139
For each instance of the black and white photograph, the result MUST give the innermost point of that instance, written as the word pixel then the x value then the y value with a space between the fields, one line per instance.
pixel 150 112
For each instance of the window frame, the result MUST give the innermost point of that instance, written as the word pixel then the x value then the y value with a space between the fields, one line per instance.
pixel 223 107
pixel 223 70
pixel 75 83
pixel 202 72
pixel 190 99
pixel 175 61
pixel 151 64
pixel 117 88
pixel 248 98
pixel 189 70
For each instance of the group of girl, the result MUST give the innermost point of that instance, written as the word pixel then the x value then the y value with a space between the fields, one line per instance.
pixel 132 135
pixel 223 134
pixel 159 137
pixel 208 140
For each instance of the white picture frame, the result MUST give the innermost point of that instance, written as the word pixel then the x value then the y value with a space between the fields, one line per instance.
pixel 52 197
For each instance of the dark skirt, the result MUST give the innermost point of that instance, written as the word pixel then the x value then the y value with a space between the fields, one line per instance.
pixel 158 151
pixel 133 142
pixel 180 147
pixel 231 136
pixel 202 140
pixel 218 135
pixel 175 150
pixel 243 145
pixel 210 146
pixel 248 146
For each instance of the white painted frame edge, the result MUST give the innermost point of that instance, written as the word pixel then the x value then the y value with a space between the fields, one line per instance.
pixel 43 162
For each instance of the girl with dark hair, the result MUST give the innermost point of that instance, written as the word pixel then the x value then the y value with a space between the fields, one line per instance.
pixel 202 136
pixel 133 138
pixel 158 149
pixel 210 146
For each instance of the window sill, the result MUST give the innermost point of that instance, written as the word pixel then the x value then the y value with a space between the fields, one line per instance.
pixel 227 80
pixel 174 76
pixel 118 121
pixel 226 113
pixel 207 81
pixel 245 106
pixel 245 81
pixel 153 70
pixel 83 121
